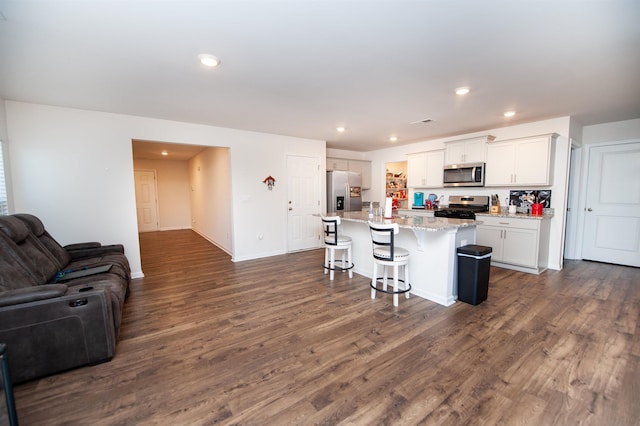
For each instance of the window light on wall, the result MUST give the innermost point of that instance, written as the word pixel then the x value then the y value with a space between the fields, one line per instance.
pixel 4 204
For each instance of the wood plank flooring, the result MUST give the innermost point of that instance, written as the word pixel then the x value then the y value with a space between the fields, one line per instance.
pixel 274 342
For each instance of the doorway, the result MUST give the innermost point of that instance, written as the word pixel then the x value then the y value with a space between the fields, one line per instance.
pixel 146 200
pixel 612 209
pixel 303 203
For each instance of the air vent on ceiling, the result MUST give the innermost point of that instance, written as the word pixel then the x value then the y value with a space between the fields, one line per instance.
pixel 424 120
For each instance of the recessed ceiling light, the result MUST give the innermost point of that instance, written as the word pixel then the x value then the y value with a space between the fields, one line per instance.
pixel 462 90
pixel 509 113
pixel 341 129
pixel 393 139
pixel 209 60
pixel 164 153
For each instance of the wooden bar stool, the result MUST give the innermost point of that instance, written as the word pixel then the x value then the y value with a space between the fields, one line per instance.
pixel 332 242
pixel 387 254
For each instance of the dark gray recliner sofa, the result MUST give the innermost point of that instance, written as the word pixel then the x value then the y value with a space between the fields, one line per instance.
pixel 50 324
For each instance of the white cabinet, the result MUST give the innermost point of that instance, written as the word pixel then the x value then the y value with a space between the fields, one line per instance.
pixel 467 150
pixel 524 161
pixel 337 164
pixel 360 166
pixel 417 170
pixel 364 168
pixel 518 243
pixel 424 169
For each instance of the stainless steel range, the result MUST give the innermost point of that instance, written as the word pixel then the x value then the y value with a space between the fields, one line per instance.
pixel 464 206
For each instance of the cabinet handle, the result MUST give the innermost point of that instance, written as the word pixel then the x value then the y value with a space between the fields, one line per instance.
pixel 505 234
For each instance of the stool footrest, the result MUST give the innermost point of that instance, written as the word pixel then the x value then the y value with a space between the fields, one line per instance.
pixel 338 268
pixel 390 291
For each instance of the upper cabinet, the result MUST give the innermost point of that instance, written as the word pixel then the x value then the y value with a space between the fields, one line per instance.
pixel 424 169
pixel 364 168
pixel 524 161
pixel 337 164
pixel 471 150
pixel 360 166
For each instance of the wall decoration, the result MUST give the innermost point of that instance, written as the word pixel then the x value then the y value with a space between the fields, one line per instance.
pixel 523 199
pixel 270 181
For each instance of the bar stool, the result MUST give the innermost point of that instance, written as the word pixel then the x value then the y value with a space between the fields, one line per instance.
pixel 385 254
pixel 332 242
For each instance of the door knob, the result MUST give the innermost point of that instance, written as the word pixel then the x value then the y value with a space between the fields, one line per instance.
pixel 589 209
pixel 290 208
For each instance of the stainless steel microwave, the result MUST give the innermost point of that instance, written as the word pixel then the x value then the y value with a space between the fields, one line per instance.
pixel 470 174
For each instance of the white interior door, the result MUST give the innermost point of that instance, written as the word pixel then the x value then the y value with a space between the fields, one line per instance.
pixel 303 177
pixel 146 200
pixel 612 217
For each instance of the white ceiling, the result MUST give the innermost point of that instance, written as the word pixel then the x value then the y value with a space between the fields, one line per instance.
pixel 303 67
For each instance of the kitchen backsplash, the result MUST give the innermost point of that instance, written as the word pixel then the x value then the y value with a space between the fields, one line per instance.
pixel 523 198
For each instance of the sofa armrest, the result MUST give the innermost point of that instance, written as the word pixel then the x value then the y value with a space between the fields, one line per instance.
pixel 78 252
pixel 82 246
pixel 48 336
pixel 32 294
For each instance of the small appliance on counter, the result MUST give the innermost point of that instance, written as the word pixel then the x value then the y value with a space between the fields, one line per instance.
pixel 418 200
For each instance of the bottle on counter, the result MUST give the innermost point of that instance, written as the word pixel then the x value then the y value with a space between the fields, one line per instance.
pixel 370 210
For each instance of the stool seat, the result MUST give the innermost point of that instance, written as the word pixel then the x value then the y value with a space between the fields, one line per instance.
pixel 399 254
pixel 342 240
pixel 387 254
pixel 333 242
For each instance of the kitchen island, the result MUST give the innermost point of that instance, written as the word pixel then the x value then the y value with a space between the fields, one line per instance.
pixel 432 243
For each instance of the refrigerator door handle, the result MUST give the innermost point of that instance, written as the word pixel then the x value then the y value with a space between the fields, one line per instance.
pixel 347 206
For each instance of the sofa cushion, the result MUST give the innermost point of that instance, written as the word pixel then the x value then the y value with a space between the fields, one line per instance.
pixel 27 250
pixel 13 228
pixel 36 226
pixel 13 274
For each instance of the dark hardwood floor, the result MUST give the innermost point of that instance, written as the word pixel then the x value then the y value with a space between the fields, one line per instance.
pixel 273 341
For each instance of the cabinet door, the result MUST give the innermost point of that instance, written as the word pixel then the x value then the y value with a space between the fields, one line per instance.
pixel 417 170
pixel 434 169
pixel 337 164
pixel 532 162
pixel 475 151
pixel 520 247
pixel 454 153
pixel 500 159
pixel 490 236
pixel 364 168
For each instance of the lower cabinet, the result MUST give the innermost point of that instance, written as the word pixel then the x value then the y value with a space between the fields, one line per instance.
pixel 518 243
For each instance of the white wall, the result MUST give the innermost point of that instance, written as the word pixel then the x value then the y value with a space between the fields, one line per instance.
pixel 617 131
pixel 3 121
pixel 558 125
pixel 210 180
pixel 174 211
pixel 74 169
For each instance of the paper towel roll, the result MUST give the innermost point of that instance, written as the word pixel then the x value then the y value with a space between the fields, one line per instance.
pixel 388 208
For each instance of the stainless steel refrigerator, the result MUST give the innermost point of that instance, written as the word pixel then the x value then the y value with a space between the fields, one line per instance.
pixel 344 191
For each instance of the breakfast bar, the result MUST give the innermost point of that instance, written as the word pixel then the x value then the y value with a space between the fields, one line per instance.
pixel 432 243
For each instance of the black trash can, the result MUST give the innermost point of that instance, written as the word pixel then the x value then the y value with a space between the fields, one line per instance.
pixel 474 263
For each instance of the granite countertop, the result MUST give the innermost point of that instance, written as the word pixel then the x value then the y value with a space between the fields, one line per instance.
pixel 516 215
pixel 424 223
